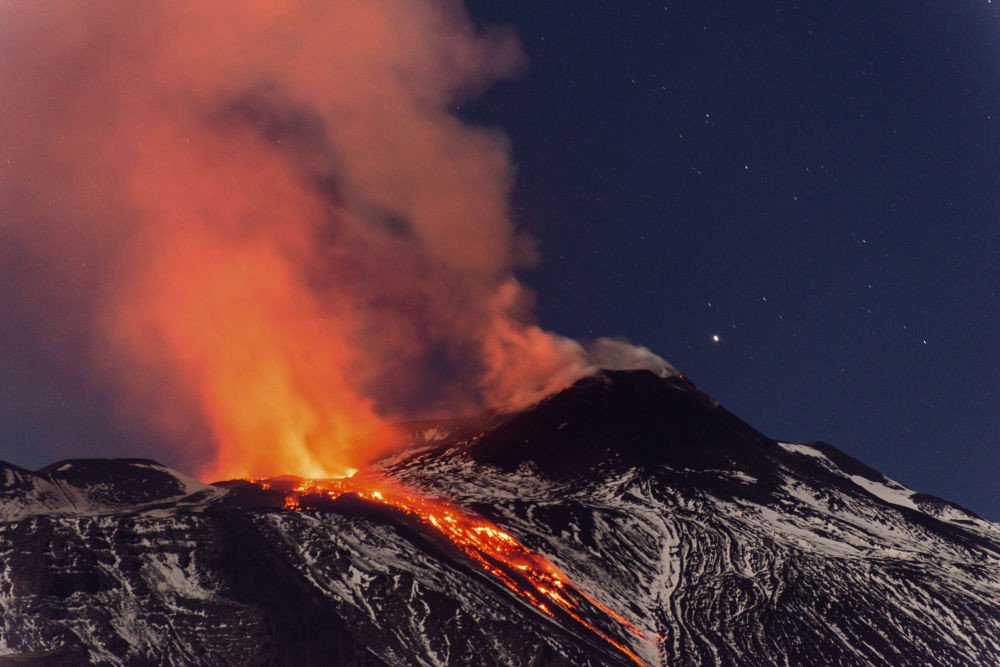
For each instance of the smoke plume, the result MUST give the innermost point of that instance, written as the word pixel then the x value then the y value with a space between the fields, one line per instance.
pixel 262 222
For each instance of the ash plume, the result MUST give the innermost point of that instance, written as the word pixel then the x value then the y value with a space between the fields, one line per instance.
pixel 262 225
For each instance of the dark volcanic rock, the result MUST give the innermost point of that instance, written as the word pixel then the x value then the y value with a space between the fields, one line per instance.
pixel 622 419
pixel 118 481
pixel 720 545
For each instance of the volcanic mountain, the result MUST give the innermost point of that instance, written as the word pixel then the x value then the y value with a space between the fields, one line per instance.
pixel 628 519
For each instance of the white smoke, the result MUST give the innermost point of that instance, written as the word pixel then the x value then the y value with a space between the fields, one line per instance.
pixel 617 354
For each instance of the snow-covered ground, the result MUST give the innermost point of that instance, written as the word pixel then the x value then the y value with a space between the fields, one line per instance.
pixel 795 555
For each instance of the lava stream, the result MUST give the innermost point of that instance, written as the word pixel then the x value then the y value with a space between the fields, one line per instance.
pixel 531 576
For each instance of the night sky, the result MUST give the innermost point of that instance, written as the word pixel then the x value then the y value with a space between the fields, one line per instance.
pixel 798 206
pixel 816 184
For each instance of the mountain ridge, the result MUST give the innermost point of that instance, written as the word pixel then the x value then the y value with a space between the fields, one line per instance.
pixel 716 543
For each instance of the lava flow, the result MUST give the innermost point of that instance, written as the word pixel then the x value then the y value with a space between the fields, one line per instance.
pixel 529 575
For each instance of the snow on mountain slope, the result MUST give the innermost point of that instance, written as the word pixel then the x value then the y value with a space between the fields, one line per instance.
pixel 91 487
pixel 804 555
pixel 722 546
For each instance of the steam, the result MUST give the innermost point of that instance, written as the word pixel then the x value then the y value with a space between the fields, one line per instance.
pixel 290 238
pixel 620 355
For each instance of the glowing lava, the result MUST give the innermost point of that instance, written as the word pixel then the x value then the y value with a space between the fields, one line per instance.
pixel 529 575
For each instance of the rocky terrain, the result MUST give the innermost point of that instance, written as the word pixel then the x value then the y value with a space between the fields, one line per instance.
pixel 685 536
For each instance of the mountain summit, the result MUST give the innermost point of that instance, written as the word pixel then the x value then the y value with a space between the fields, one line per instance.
pixel 628 519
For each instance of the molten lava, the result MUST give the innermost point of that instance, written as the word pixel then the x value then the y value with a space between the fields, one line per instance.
pixel 529 575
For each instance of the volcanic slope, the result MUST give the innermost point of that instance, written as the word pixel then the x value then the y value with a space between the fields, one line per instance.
pixel 689 537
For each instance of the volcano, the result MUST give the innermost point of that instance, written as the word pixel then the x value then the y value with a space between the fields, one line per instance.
pixel 629 519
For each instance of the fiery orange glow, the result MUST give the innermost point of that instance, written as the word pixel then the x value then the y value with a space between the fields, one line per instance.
pixel 530 576
pixel 274 236
pixel 274 227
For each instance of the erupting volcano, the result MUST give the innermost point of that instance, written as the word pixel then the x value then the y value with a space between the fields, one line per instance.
pixel 292 240
pixel 627 520
pixel 297 243
pixel 258 238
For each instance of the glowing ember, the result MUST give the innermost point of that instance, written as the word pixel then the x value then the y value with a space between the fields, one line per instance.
pixel 529 575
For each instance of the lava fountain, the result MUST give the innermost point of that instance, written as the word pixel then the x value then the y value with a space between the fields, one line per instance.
pixel 271 234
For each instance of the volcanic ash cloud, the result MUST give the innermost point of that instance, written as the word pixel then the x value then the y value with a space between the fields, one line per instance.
pixel 294 237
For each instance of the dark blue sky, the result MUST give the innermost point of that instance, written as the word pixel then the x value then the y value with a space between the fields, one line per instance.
pixel 816 184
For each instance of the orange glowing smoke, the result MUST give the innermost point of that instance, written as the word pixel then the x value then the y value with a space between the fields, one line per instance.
pixel 527 574
pixel 288 236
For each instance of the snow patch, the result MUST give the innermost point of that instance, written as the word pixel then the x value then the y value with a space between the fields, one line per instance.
pixel 433 434
pixel 741 476
pixel 893 493
pixel 804 450
pixel 165 572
